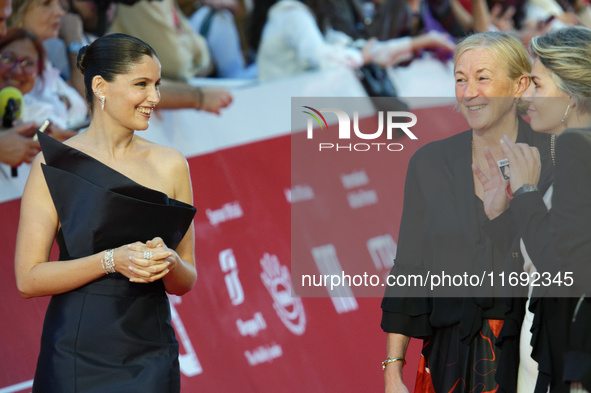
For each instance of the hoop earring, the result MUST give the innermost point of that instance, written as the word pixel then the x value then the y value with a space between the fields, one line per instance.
pixel 565 114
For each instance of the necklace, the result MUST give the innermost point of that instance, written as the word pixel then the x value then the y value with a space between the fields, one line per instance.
pixel 553 149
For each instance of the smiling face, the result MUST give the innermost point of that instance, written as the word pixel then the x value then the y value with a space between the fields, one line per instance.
pixel 131 97
pixel 547 102
pixel 484 91
pixel 43 17
pixel 19 63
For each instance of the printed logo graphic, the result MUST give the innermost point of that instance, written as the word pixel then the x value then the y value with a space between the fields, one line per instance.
pixel 229 266
pixel 383 251
pixel 263 354
pixel 315 117
pixel 188 361
pixel 299 193
pixel 277 280
pixel 251 327
pixel 230 211
pixel 328 265
pixel 394 120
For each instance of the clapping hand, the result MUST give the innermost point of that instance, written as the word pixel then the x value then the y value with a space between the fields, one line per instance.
pixel 495 198
pixel 524 161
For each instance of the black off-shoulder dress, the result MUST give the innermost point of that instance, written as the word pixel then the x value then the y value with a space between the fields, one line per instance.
pixel 110 335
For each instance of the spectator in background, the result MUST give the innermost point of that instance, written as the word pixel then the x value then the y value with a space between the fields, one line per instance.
pixel 292 42
pixel 215 21
pixel 184 53
pixel 558 13
pixel 22 59
pixel 15 145
pixel 162 25
pixel 51 98
pixel 80 26
pixel 5 11
pixel 386 19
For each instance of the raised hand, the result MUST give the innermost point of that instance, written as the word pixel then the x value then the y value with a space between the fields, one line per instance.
pixel 17 146
pixel 214 99
pixel 502 20
pixel 496 200
pixel 524 161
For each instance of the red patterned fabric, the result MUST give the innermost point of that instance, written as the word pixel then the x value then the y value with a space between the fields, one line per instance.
pixel 449 366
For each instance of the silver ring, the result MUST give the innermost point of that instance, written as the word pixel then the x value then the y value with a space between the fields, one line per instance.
pixel 148 254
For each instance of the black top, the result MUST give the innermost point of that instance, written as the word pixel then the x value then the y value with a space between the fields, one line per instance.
pixel 441 225
pixel 571 224
pixel 528 219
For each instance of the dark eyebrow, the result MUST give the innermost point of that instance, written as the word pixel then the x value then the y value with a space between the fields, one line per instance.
pixel 145 79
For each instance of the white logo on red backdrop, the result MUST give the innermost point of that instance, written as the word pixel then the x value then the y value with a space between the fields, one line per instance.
pixel 188 361
pixel 328 265
pixel 251 327
pixel 229 266
pixel 358 198
pixel 298 193
pixel 383 251
pixel 277 280
pixel 263 353
pixel 230 211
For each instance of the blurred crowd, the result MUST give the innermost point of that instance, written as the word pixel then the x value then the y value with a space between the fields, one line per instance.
pixel 259 40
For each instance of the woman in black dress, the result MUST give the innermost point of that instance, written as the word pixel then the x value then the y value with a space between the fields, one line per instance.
pixel 120 207
pixel 558 100
pixel 443 227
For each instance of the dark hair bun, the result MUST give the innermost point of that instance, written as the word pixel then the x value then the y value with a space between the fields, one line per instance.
pixel 80 60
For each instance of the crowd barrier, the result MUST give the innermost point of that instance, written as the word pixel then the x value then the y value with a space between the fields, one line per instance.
pixel 240 329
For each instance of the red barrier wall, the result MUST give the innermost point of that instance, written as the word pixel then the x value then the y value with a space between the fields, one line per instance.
pixel 240 330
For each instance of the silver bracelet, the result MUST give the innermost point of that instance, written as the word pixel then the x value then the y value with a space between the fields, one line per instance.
pixel 103 265
pixel 108 263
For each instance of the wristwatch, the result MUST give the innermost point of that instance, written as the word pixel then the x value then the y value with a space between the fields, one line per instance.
pixel 75 47
pixel 525 188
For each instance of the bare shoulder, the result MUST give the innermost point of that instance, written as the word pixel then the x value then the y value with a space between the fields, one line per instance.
pixel 38 160
pixel 77 141
pixel 171 168
pixel 170 164
pixel 164 156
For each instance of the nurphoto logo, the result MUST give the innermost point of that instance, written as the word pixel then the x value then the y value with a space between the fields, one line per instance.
pixel 393 122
